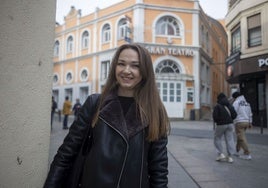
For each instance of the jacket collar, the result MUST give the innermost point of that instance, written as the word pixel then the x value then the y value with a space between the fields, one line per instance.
pixel 112 113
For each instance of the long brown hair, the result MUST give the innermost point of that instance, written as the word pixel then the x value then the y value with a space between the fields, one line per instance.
pixel 151 108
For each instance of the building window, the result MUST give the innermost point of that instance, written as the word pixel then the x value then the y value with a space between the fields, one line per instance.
pixel 69 92
pixel 203 95
pixel 190 95
pixel 106 33
pixel 168 25
pixel 85 40
pixel 122 29
pixel 55 78
pixel 105 67
pixel 84 75
pixel 169 91
pixel 254 30
pixel 83 94
pixel 69 77
pixel 69 44
pixel 56 48
pixel 204 73
pixel 167 66
pixel 236 39
pixel 202 35
pixel 207 42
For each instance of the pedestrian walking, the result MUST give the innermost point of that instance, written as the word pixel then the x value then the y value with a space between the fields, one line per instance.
pixel 54 106
pixel 243 121
pixel 66 110
pixel 129 130
pixel 76 108
pixel 223 116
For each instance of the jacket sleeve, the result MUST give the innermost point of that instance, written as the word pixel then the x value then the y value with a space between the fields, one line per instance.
pixel 215 114
pixel 250 113
pixel 232 111
pixel 235 105
pixel 158 163
pixel 71 145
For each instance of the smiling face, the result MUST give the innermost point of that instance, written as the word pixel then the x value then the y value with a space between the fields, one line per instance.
pixel 127 72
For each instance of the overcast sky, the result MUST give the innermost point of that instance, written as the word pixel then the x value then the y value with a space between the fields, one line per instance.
pixel 214 8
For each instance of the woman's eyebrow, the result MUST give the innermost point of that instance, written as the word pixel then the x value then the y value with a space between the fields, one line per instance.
pixel 122 60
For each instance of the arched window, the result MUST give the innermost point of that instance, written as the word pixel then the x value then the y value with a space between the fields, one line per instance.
pixel 167 66
pixel 85 39
pixel 56 48
pixel 69 44
pixel 122 28
pixel 168 25
pixel 106 33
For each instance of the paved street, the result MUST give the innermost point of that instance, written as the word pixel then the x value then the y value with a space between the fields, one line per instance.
pixel 192 157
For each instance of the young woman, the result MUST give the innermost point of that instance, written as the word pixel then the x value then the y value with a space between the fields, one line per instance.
pixel 130 129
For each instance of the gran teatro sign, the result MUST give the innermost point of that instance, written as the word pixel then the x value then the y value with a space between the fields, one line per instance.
pixel 175 51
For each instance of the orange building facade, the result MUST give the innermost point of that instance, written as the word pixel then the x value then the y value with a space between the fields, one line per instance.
pixel 188 50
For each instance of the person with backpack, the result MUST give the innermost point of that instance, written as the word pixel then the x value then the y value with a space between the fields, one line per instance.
pixel 223 115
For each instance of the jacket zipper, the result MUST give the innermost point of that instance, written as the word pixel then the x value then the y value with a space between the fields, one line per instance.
pixel 125 158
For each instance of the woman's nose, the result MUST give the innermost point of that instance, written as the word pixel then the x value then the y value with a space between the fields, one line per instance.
pixel 127 69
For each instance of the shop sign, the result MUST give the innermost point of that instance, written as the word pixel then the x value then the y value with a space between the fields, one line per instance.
pixel 233 58
pixel 171 51
pixel 263 62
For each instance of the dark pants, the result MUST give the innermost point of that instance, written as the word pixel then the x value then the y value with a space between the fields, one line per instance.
pixel 52 117
pixel 65 122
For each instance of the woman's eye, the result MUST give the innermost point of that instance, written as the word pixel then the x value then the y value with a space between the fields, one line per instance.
pixel 120 64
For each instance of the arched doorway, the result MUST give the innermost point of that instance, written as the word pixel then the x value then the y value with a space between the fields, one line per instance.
pixel 170 87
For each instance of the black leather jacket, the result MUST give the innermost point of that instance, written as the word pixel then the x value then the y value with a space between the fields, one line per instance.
pixel 115 160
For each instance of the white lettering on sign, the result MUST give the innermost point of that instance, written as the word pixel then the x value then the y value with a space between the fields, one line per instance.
pixel 170 51
pixel 156 50
pixel 263 62
pixel 181 51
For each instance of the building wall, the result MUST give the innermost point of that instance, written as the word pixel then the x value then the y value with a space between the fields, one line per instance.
pixel 184 51
pixel 238 15
pixel 27 37
pixel 246 66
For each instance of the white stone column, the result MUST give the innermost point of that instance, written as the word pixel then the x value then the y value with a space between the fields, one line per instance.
pixel 26 42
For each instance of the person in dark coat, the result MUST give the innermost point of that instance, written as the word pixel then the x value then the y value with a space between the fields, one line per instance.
pixel 54 106
pixel 76 107
pixel 223 116
pixel 129 130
